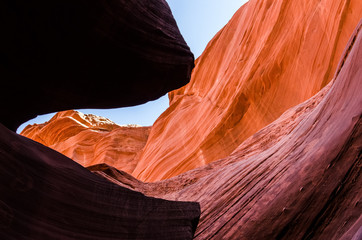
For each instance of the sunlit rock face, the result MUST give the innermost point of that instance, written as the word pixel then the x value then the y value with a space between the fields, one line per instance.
pixel 89 139
pixel 297 178
pixel 60 55
pixel 272 55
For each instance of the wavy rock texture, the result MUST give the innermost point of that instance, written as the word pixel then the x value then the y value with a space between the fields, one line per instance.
pixel 272 55
pixel 297 178
pixel 90 139
pixel 45 195
pixel 59 55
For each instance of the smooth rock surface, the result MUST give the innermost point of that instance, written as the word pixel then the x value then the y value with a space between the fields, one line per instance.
pixel 297 178
pixel 45 195
pixel 59 55
pixel 90 139
pixel 272 55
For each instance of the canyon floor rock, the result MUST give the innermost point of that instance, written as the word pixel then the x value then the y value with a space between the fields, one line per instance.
pixel 45 195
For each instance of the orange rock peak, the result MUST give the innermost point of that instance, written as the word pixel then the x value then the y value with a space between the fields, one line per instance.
pixel 89 139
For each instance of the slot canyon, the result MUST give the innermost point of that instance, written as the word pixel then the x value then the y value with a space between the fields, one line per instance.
pixel 262 138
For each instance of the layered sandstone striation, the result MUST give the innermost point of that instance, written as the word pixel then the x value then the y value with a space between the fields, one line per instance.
pixel 297 178
pixel 90 139
pixel 270 126
pixel 272 55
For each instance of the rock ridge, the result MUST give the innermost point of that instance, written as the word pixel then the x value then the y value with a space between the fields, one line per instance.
pixel 271 56
pixel 89 139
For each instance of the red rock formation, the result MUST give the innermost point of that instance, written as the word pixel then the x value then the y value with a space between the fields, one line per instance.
pixel 90 139
pixel 297 178
pixel 59 55
pixel 272 55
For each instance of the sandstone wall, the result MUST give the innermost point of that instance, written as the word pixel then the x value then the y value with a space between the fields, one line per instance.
pixel 272 55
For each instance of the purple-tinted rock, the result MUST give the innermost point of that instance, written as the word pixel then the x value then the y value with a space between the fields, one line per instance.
pixel 45 195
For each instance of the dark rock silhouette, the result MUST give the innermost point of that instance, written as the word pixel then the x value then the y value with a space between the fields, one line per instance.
pixel 45 195
pixel 60 55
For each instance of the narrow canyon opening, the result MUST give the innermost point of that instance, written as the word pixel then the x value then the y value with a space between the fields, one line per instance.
pixel 143 115
pixel 258 137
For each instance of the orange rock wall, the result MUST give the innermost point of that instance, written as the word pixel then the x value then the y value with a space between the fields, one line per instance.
pixel 272 55
pixel 297 178
pixel 89 139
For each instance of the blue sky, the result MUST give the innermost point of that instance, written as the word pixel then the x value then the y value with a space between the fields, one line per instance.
pixel 198 21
